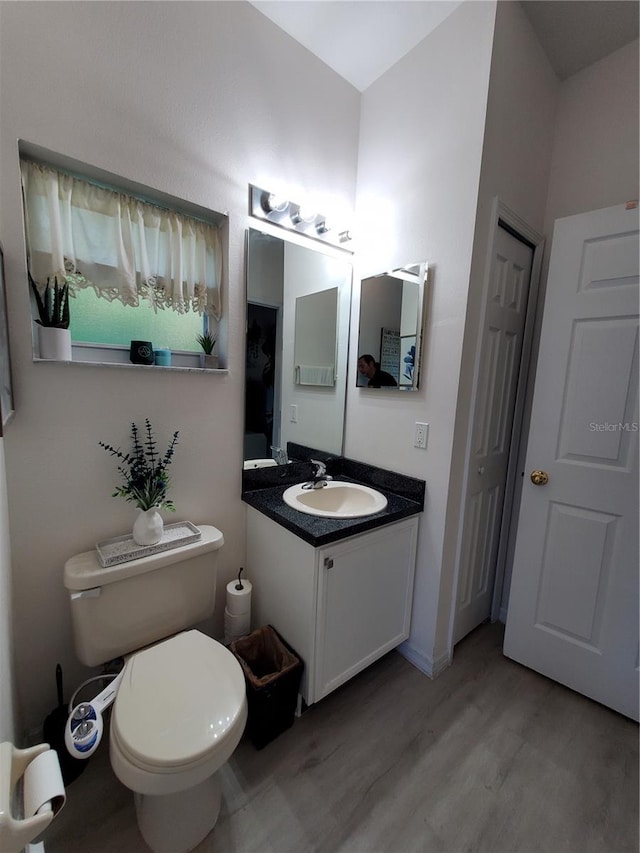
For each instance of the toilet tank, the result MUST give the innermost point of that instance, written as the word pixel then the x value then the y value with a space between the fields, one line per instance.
pixel 119 609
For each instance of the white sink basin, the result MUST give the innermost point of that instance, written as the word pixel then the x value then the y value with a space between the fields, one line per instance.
pixel 335 500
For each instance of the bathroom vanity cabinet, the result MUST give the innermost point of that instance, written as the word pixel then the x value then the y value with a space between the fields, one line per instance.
pixel 341 606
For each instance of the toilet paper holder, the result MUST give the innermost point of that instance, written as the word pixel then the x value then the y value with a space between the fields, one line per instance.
pixel 42 784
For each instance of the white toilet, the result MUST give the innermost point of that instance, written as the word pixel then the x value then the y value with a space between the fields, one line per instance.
pixel 181 707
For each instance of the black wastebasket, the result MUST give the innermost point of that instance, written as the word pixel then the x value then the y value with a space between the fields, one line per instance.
pixel 272 671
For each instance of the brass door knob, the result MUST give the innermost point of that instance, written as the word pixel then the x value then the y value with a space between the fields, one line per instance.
pixel 539 478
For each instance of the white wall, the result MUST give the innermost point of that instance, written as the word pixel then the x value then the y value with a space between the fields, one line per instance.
pixel 7 728
pixel 421 137
pixel 595 148
pixel 196 100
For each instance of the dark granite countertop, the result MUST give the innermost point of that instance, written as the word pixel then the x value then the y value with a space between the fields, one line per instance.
pixel 263 489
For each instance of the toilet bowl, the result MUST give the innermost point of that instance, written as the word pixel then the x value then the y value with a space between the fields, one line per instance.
pixel 178 716
pixel 181 706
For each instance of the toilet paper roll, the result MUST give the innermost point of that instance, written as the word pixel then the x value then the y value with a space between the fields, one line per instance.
pixel 43 785
pixel 236 625
pixel 239 600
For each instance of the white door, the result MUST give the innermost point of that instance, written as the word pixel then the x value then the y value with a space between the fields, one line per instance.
pixel 501 349
pixel 573 607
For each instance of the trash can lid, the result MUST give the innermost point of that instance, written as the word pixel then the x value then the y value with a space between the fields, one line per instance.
pixel 177 700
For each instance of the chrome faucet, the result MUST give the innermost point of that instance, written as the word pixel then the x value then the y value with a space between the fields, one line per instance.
pixel 320 478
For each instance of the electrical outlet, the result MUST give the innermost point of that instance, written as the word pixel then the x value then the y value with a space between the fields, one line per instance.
pixel 420 436
pixel 293 414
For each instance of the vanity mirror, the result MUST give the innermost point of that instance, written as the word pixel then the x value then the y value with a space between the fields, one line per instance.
pixel 390 330
pixel 298 303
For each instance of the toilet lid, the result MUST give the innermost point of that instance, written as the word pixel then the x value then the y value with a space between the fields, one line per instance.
pixel 177 700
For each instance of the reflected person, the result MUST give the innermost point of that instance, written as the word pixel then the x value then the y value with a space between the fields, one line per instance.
pixel 369 367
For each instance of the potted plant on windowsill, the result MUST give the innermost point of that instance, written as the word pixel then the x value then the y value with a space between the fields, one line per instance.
pixel 54 337
pixel 207 358
pixel 146 481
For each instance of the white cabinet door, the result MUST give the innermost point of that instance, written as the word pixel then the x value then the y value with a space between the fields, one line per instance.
pixel 365 589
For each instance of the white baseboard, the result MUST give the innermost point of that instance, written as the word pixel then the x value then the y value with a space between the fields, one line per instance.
pixel 426 664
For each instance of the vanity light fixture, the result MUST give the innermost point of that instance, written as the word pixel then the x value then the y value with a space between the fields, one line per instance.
pixel 301 215
pixel 274 208
pixel 272 203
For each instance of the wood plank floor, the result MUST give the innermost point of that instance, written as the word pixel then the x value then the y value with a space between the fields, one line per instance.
pixel 487 757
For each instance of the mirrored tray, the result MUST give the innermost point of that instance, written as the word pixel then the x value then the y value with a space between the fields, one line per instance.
pixel 123 548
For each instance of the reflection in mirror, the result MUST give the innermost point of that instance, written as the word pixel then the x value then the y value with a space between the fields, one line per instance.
pixel 315 338
pixel 298 301
pixel 390 331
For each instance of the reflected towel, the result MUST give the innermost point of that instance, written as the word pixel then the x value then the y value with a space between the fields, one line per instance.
pixel 308 375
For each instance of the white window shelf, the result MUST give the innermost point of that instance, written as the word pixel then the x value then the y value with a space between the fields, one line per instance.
pixel 108 355
pixel 154 367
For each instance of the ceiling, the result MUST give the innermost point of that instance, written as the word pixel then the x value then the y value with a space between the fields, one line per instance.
pixel 361 39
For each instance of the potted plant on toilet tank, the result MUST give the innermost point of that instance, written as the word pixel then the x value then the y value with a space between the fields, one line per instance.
pixel 145 481
pixel 52 303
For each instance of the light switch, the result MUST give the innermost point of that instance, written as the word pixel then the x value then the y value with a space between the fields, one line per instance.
pixel 293 413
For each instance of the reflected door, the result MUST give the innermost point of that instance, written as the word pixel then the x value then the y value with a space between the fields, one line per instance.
pixel 573 608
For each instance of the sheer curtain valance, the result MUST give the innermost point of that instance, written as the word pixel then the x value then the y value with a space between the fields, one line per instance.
pixel 122 247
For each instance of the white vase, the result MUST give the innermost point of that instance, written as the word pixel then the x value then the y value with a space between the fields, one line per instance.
pixel 54 343
pixel 209 362
pixel 148 527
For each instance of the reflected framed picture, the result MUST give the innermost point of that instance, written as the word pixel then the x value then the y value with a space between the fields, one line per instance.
pixel 407 360
pixel 6 388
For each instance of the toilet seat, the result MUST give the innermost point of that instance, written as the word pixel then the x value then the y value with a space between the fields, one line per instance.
pixel 181 704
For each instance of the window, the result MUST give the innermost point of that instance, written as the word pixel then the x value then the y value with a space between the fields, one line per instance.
pixel 99 321
pixel 136 269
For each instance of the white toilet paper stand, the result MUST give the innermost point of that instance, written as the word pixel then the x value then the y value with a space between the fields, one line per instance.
pixel 26 813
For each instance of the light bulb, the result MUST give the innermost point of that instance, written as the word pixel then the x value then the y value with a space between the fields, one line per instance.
pixel 273 203
pixel 304 215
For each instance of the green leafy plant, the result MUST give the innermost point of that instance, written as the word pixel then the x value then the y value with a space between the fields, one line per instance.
pixel 53 304
pixel 144 470
pixel 207 342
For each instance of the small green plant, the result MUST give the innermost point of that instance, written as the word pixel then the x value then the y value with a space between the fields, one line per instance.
pixel 53 304
pixel 207 342
pixel 146 480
